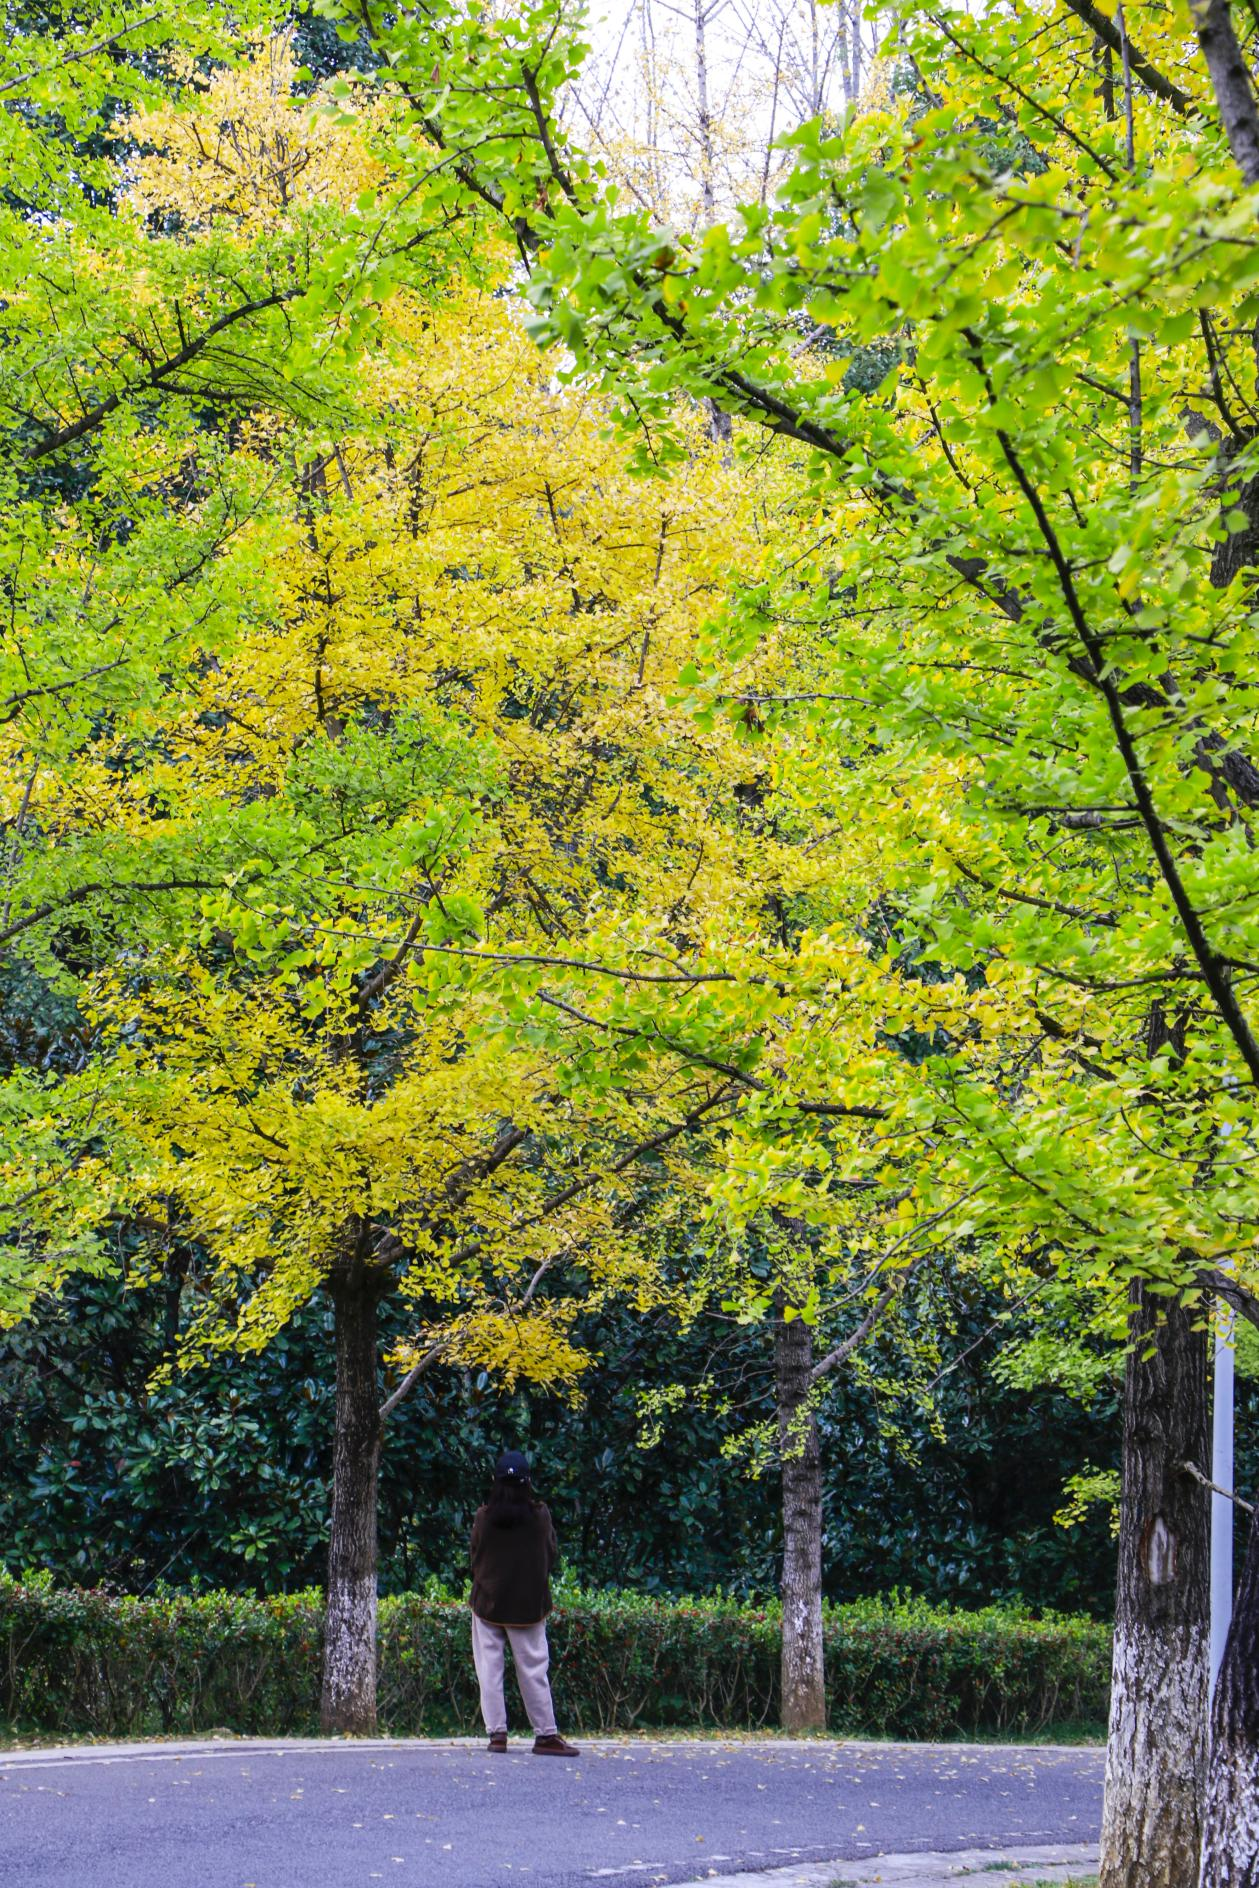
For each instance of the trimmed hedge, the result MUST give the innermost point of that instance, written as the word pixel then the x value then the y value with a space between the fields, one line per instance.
pixel 74 1661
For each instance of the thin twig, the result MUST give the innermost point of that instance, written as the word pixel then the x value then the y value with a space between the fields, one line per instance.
pixel 1191 1468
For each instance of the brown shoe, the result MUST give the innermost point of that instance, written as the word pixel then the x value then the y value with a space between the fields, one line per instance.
pixel 498 1742
pixel 553 1745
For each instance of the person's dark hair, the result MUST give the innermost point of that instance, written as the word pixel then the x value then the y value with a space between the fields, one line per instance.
pixel 512 1500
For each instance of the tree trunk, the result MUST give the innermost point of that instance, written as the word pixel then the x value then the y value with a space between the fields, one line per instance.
pixel 1156 1752
pixel 803 1668
pixel 349 1659
pixel 704 120
pixel 1230 1843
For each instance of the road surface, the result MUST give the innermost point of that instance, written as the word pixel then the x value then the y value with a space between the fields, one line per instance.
pixel 451 1816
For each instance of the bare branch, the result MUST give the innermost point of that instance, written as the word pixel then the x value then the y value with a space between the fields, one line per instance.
pixel 409 1382
pixel 1191 1468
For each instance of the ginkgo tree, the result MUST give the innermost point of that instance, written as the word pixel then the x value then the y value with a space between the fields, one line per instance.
pixel 435 742
pixel 414 725
pixel 1034 536
pixel 124 509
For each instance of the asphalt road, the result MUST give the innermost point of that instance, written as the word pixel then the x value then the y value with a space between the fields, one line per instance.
pixel 441 1817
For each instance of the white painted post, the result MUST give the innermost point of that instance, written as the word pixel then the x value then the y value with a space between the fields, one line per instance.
pixel 1222 1476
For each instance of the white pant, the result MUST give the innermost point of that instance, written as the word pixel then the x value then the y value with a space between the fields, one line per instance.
pixel 532 1658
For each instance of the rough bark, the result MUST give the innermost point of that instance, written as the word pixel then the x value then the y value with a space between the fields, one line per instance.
pixel 1231 82
pixel 1156 1752
pixel 349 1662
pixel 1230 1840
pixel 1238 550
pixel 803 1663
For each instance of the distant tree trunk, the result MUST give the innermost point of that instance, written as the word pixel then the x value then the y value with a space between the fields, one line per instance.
pixel 1156 1752
pixel 803 1663
pixel 349 1660
pixel 704 116
pixel 720 425
pixel 174 1274
pixel 1230 1842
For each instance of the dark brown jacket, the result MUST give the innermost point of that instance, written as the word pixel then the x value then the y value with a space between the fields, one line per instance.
pixel 511 1567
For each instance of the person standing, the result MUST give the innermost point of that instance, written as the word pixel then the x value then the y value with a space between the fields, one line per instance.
pixel 514 1549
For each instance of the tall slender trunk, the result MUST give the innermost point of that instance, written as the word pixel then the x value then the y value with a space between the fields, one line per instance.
pixel 1230 1841
pixel 803 1659
pixel 720 425
pixel 707 188
pixel 1156 1752
pixel 817 83
pixel 349 1661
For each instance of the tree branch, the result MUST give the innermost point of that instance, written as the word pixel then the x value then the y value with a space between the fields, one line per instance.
pixel 1149 75
pixel 1214 971
pixel 409 1382
pixel 83 52
pixel 842 1352
pixel 563 1198
pixel 84 892
pixel 1237 1297
pixel 597 970
pixel 1028 898
pixel 390 972
pixel 94 417
pixel 1191 1468
pixel 859 1111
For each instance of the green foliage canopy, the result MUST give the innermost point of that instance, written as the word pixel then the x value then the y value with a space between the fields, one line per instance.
pixel 1018 584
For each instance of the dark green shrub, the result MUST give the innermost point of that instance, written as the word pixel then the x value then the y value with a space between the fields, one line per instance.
pixel 74 1662
pixel 220 1477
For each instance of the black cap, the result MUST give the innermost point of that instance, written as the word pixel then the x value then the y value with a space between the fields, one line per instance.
pixel 512 1466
